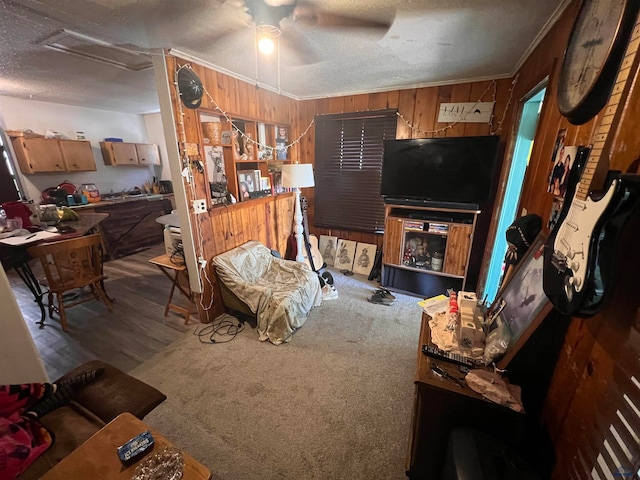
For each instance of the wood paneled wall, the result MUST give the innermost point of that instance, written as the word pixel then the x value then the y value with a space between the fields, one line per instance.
pixel 599 354
pixel 222 228
pixel 419 108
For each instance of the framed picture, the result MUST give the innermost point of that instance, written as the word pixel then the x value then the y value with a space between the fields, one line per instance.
pixel 215 163
pixel 327 247
pixel 364 257
pixel 345 251
pixel 522 300
pixel 247 183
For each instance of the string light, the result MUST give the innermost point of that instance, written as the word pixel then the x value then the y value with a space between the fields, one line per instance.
pixel 493 84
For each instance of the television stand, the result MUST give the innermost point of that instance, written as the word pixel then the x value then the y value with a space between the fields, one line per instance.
pixel 426 250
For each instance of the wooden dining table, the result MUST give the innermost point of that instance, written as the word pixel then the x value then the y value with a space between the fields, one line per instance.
pixel 14 251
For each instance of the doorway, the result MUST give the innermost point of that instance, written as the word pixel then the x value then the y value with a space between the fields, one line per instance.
pixel 519 163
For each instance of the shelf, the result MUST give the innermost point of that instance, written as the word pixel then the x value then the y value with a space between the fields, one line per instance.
pixel 424 270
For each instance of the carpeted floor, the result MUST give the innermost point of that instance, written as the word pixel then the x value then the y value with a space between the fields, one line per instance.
pixel 334 403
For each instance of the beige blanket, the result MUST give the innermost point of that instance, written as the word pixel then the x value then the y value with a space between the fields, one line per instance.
pixel 280 292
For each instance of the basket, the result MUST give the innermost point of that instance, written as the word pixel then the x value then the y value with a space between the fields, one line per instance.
pixel 212 131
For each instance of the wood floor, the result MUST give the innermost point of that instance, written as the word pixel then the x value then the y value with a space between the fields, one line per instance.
pixel 135 331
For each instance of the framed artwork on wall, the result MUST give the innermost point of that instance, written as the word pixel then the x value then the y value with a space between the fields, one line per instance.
pixel 522 299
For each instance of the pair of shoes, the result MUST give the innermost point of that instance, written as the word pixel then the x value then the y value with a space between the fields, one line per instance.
pixel 329 292
pixel 385 293
pixel 381 299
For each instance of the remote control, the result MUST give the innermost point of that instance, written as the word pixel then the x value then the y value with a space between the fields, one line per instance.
pixel 447 356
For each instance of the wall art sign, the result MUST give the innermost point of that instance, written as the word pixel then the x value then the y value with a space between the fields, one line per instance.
pixel 465 112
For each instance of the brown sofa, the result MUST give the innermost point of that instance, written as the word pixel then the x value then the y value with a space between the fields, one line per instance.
pixel 95 405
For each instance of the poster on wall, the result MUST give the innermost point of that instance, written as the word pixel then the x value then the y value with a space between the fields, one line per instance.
pixel 556 209
pixel 215 164
pixel 559 177
pixel 327 247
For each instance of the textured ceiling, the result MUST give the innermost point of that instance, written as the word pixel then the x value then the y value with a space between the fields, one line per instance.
pixel 429 42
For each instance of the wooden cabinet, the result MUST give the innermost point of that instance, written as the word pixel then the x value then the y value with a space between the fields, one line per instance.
pixel 426 250
pixel 124 153
pixel 46 155
pixel 147 154
pixel 440 405
pixel 78 155
pixel 249 147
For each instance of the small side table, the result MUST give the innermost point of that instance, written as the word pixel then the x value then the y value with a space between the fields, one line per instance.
pixel 98 458
pixel 180 280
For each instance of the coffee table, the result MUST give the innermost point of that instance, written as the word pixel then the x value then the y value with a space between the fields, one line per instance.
pixel 97 458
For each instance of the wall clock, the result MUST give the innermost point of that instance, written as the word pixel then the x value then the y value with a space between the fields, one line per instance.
pixel 596 46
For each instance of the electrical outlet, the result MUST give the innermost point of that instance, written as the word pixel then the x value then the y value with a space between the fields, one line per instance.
pixel 199 206
pixel 202 262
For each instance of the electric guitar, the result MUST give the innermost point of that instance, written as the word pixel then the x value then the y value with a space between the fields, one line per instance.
pixel 579 257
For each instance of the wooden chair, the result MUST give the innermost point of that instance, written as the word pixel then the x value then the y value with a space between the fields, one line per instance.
pixel 68 265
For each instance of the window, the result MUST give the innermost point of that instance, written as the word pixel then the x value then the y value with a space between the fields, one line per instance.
pixel 348 169
pixel 9 185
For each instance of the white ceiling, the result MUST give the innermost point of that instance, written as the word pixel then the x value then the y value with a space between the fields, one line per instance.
pixel 429 42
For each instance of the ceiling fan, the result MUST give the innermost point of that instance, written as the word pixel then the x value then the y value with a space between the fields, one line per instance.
pixel 289 18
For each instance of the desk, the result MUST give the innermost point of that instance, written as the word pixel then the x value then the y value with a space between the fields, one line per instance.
pixel 97 457
pixel 440 405
pixel 18 258
pixel 180 280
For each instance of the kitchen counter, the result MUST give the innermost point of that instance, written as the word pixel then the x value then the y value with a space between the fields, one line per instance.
pixel 123 199
pixel 131 225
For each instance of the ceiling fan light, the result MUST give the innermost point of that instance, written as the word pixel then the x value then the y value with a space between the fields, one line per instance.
pixel 266 45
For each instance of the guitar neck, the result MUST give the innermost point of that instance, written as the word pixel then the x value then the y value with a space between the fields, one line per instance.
pixel 597 165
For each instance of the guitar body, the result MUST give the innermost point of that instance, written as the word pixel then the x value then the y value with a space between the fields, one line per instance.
pixel 314 252
pixel 579 260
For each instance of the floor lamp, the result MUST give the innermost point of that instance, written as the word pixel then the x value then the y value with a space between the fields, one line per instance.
pixel 297 176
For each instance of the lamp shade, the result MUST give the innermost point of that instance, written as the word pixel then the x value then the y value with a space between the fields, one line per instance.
pixel 297 175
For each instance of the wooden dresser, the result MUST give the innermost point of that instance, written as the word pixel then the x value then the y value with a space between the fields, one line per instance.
pixel 440 405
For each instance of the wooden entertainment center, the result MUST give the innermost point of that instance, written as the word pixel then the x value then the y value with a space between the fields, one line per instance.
pixel 426 249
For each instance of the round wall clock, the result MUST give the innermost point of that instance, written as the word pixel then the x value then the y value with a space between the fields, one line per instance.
pixel 596 46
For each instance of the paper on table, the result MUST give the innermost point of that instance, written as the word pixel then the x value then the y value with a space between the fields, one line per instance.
pixel 433 305
pixel 26 239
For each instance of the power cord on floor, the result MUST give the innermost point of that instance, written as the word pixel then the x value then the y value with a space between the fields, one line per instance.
pixel 222 330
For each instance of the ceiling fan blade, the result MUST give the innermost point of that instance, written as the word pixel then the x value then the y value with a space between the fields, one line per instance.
pixel 310 15
pixel 295 43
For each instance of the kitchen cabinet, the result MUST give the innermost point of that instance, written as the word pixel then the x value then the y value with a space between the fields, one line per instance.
pixel 125 153
pixel 78 156
pixel 147 154
pixel 46 155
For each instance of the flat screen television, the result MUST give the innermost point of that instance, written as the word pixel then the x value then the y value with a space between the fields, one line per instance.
pixel 452 170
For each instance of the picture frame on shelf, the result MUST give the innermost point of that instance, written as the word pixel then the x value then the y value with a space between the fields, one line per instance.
pixel 281 143
pixel 247 183
pixel 215 163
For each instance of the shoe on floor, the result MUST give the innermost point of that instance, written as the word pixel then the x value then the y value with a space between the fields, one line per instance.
pixel 329 292
pixel 385 293
pixel 380 299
